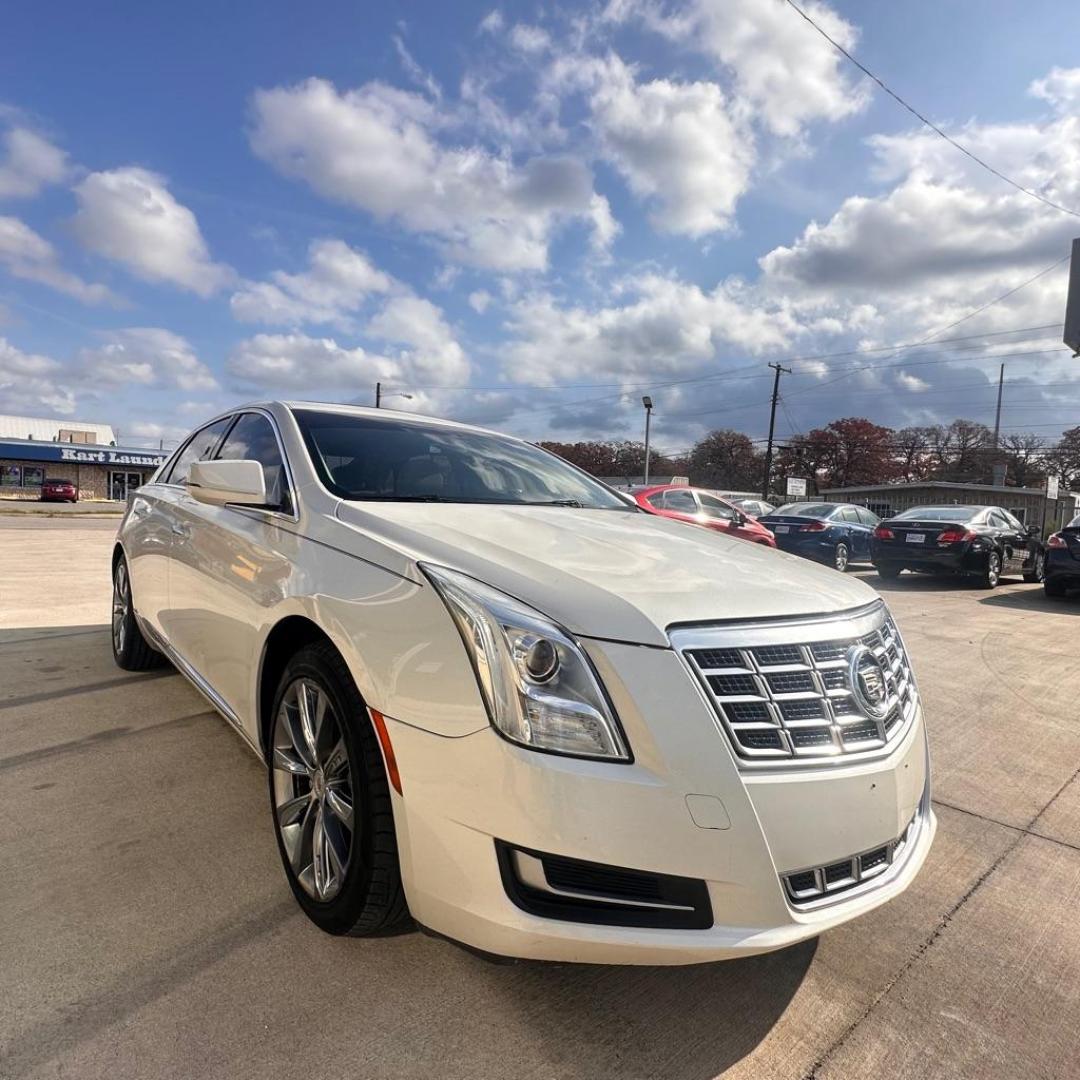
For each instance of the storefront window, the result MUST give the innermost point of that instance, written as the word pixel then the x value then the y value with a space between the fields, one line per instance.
pixel 10 476
pixel 33 475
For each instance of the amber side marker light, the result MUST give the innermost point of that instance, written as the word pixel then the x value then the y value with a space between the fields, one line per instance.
pixel 387 749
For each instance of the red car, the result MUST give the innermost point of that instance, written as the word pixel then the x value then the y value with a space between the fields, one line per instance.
pixel 702 508
pixel 59 491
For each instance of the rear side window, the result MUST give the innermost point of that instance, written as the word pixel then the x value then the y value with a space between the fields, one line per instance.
pixel 867 517
pixel 848 514
pixel 200 447
pixel 252 438
pixel 682 502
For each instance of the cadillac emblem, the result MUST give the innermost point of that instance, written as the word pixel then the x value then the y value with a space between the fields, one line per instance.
pixel 866 678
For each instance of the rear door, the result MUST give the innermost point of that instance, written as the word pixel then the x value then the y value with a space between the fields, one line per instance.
pixel 869 521
pixel 856 534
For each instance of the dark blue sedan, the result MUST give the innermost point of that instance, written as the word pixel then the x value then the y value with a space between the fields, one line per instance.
pixel 834 533
pixel 1063 560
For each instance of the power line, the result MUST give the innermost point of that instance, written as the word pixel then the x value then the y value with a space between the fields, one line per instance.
pixel 929 123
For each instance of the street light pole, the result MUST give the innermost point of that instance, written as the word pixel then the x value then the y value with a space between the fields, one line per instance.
pixel 378 395
pixel 647 402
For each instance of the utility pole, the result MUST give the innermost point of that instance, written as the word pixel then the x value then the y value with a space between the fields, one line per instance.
pixel 647 402
pixel 780 370
pixel 378 395
pixel 997 415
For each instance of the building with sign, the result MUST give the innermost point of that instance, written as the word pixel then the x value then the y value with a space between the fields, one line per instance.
pixel 99 472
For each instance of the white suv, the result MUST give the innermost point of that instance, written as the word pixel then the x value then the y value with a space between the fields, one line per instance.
pixel 495 698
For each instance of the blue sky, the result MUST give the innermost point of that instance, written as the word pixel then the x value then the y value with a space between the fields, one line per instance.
pixel 526 215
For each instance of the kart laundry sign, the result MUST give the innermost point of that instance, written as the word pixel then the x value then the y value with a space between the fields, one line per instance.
pixel 109 457
pixel 29 450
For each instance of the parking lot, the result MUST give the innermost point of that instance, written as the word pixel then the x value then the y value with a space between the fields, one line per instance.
pixel 148 930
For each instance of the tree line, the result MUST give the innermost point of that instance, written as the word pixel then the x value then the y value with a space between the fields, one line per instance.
pixel 845 453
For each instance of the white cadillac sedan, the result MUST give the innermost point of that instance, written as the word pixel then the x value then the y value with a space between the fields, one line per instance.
pixel 494 698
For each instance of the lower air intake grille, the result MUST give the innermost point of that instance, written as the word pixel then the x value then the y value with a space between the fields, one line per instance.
pixel 788 691
pixel 809 886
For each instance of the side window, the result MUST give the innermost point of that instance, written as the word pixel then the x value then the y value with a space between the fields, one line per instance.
pixel 681 501
pixel 200 446
pixel 867 517
pixel 1013 520
pixel 253 438
pixel 714 508
pixel 848 514
pixel 999 520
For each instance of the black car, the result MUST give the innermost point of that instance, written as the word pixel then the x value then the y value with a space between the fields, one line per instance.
pixel 1063 560
pixel 982 542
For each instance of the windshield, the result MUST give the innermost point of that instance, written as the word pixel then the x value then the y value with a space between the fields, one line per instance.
pixel 939 513
pixel 360 457
pixel 810 510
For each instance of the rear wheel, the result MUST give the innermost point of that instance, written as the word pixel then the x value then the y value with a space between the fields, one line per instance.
pixel 131 651
pixel 1053 587
pixel 331 800
pixel 889 571
pixel 991 575
pixel 841 557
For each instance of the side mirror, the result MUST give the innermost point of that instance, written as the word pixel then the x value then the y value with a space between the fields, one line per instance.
pixel 1034 530
pixel 219 482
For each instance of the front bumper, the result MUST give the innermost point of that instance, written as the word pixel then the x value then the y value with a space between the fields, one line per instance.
pixel 682 809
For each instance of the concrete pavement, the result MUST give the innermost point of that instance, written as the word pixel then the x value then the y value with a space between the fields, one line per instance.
pixel 148 930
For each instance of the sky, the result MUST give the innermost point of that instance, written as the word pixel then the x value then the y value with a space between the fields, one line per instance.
pixel 529 215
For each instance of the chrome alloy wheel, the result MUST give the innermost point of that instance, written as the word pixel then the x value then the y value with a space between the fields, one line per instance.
pixel 312 784
pixel 121 606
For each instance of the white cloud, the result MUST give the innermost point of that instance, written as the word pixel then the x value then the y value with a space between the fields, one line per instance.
pixel 130 216
pixel 529 39
pixel 677 144
pixel 299 362
pixel 1061 88
pixel 779 64
pixel 29 162
pixel 31 383
pixel 146 356
pixel 378 148
pixel 337 283
pixel 27 255
pixel 479 301
pixel 430 350
pixel 664 326
pixel 492 22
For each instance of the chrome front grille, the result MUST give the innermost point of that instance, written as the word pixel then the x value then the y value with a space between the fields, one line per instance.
pixel 818 883
pixel 784 691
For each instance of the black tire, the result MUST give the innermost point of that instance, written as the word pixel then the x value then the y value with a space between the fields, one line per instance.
pixel 371 899
pixel 131 650
pixel 991 575
pixel 889 571
pixel 841 557
pixel 1053 588
pixel 1038 571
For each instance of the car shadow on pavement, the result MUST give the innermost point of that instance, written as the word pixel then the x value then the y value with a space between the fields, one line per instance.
pixel 1035 600
pixel 940 583
pixel 679 1023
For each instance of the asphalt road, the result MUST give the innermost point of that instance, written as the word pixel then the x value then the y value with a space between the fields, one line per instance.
pixel 147 930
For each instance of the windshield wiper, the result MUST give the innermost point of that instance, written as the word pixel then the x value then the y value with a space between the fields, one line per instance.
pixel 556 502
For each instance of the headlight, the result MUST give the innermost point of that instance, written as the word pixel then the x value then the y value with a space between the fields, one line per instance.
pixel 538 685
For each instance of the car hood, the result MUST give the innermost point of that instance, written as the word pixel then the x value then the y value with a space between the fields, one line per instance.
pixel 604 573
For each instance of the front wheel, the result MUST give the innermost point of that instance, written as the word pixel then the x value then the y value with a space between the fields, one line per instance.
pixel 131 650
pixel 989 578
pixel 1038 569
pixel 330 799
pixel 841 557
